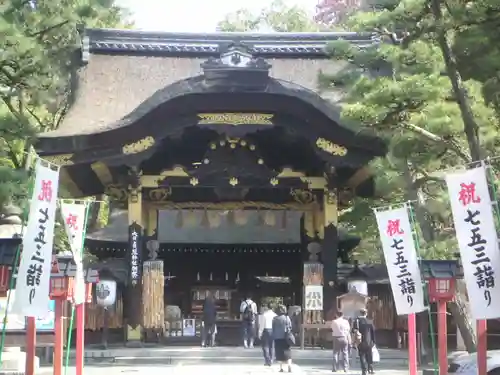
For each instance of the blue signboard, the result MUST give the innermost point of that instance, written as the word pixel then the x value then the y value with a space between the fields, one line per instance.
pixel 47 323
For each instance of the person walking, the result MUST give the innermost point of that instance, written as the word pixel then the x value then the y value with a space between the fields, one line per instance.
pixel 209 328
pixel 363 328
pixel 282 332
pixel 266 334
pixel 248 310
pixel 341 332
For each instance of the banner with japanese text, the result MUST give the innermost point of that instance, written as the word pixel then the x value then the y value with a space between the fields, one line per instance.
pixel 33 277
pixel 401 260
pixel 73 215
pixel 472 211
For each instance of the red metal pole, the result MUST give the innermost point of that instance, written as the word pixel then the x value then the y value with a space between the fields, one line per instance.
pixel 442 337
pixel 80 340
pixel 482 345
pixel 59 337
pixel 30 345
pixel 412 344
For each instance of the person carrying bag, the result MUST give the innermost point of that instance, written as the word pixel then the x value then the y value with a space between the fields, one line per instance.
pixel 283 338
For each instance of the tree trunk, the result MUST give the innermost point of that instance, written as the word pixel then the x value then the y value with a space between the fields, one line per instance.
pixel 412 194
pixel 460 311
pixel 470 126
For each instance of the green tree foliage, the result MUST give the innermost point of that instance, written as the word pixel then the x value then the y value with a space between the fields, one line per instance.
pixel 277 17
pixel 408 88
pixel 40 46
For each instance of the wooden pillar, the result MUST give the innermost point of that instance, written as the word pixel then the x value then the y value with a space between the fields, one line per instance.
pixel 329 250
pixel 152 222
pixel 133 305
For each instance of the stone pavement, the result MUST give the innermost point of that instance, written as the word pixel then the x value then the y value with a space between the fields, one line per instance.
pixel 226 361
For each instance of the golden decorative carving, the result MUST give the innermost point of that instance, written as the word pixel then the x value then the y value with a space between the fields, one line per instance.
pixel 116 192
pixel 233 181
pixel 134 195
pixel 330 147
pixel 139 146
pixel 331 196
pixel 274 181
pixel 235 119
pixel 62 159
pixel 289 172
pixel 303 196
pixel 160 194
pixel 194 181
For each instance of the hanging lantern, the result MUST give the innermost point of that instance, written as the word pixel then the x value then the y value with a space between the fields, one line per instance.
pixel 270 218
pixel 198 276
pixel 227 277
pixel 191 218
pixel 230 218
pixel 214 219
pixel 205 222
pixel 241 217
pixel 260 218
pixel 210 277
pixel 284 219
pixel 105 292
pixel 179 220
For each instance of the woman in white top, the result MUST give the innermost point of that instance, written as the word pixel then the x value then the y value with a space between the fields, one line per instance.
pixel 341 332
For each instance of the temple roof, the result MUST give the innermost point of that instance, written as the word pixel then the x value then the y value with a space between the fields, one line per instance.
pixel 123 68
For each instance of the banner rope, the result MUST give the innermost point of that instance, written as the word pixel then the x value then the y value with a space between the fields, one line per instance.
pixel 72 319
pixel 416 241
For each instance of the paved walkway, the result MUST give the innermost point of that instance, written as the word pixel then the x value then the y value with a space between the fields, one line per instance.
pixel 224 361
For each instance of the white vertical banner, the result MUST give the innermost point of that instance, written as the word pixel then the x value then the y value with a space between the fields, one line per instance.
pixel 73 215
pixel 472 211
pixel 401 260
pixel 33 277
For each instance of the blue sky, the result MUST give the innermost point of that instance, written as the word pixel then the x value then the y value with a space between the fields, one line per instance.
pixel 193 15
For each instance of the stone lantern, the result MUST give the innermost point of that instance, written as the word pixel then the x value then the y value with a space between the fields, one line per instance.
pixel 10 239
pixel 356 297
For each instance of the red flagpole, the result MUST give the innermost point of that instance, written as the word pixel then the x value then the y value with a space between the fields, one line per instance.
pixel 412 344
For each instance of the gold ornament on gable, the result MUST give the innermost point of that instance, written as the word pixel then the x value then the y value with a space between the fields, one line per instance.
pixel 274 181
pixel 116 192
pixel 139 146
pixel 235 119
pixel 233 181
pixel 160 194
pixel 303 196
pixel 331 197
pixel 330 147
pixel 60 160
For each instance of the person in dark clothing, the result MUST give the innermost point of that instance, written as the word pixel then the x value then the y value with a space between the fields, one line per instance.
pixel 209 328
pixel 248 310
pixel 365 347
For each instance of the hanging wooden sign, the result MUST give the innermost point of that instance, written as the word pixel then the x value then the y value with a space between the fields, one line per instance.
pixel 314 297
pixel 135 246
pixel 235 119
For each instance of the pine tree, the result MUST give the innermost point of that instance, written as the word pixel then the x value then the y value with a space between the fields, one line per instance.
pixel 39 44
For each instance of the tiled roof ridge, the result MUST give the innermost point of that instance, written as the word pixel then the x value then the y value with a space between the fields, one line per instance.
pixel 114 41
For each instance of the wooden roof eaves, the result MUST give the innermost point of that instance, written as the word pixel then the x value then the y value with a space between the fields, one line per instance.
pixel 284 45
